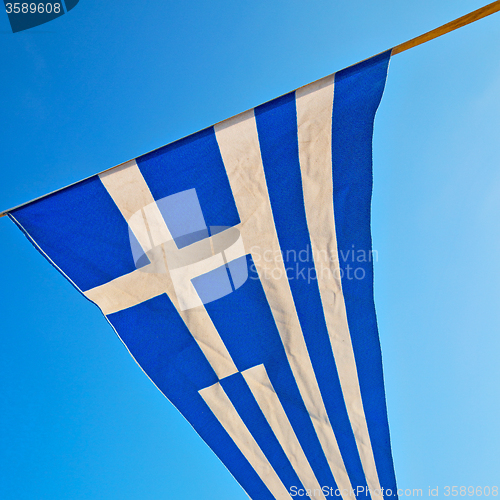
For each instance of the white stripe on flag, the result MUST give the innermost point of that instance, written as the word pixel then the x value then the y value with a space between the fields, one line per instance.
pixel 239 145
pixel 223 409
pixel 314 124
pixel 268 401
pixel 131 194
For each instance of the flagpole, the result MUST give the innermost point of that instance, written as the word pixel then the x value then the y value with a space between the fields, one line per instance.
pixel 485 11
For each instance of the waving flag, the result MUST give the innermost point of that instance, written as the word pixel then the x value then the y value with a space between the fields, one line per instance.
pixel 236 267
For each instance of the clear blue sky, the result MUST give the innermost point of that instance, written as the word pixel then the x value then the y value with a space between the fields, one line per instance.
pixel 112 80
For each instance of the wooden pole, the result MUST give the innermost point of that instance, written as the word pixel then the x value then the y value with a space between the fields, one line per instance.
pixel 487 10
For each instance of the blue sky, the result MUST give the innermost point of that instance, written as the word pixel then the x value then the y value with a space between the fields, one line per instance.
pixel 110 81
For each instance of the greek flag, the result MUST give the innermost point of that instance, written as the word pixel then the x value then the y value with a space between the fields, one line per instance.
pixel 236 267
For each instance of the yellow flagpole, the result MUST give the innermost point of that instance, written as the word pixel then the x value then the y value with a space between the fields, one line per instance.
pixel 485 11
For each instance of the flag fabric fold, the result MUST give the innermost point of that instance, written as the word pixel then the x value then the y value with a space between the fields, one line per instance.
pixel 236 266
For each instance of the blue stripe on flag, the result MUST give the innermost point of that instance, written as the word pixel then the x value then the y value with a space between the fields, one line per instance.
pixel 192 162
pixel 247 407
pixel 246 325
pixel 82 231
pixel 277 128
pixel 160 342
pixel 357 96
